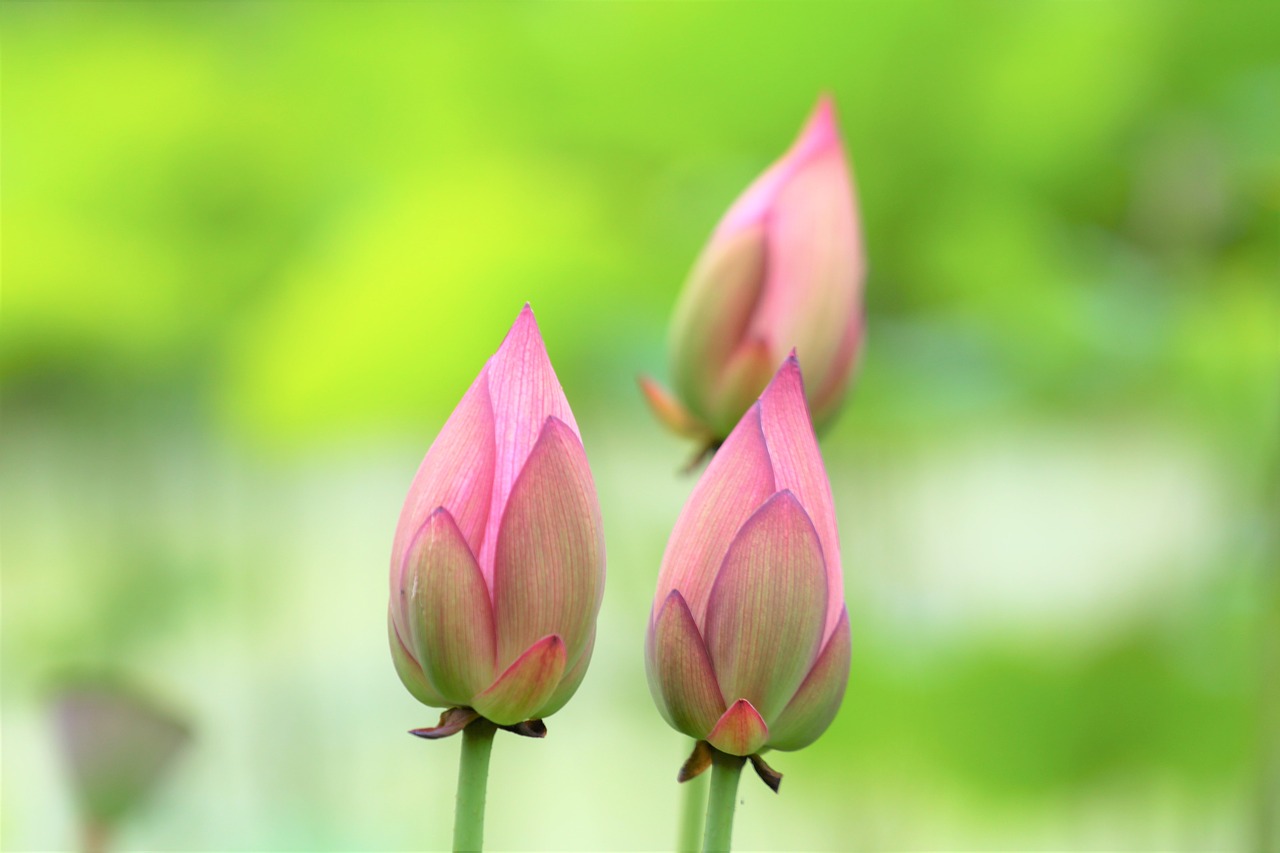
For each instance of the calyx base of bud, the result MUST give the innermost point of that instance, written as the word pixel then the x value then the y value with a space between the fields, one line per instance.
pixel 704 453
pixel 704 755
pixel 455 720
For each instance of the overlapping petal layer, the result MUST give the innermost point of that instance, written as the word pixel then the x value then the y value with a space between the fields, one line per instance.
pixel 784 270
pixel 764 619
pixel 497 568
pixel 748 642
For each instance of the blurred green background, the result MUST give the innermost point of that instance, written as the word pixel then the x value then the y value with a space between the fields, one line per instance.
pixel 254 253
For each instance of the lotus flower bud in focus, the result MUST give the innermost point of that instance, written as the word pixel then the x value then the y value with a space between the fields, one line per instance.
pixel 784 270
pixel 497 570
pixel 748 642
pixel 117 744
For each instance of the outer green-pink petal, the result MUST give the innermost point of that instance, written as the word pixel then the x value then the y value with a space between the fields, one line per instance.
pixel 815 704
pixel 549 564
pixel 410 672
pixel 712 314
pixel 681 679
pixel 671 412
pixel 525 392
pixel 526 686
pixel 797 466
pixel 737 481
pixel 570 681
pixel 741 731
pixel 456 473
pixel 765 616
pixel 446 608
pixel 744 377
pixel 825 399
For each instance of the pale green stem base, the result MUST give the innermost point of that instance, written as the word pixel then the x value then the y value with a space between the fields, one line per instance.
pixel 473 778
pixel 693 806
pixel 725 772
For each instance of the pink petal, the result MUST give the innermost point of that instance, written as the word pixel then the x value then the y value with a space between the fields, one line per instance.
pixel 525 687
pixel 456 473
pixel 764 620
pixel 681 679
pixel 713 314
pixel 797 466
pixel 813 292
pixel 445 605
pixel 753 206
pixel 818 699
pixel 738 480
pixel 410 672
pixel 549 562
pixel 525 392
pixel 741 731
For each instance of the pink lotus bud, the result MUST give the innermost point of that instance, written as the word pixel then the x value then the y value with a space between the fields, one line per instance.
pixel 784 270
pixel 498 565
pixel 748 643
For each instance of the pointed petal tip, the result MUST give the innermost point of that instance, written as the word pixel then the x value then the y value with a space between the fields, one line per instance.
pixel 554 424
pixel 788 382
pixel 821 128
pixel 740 730
pixel 524 326
pixel 526 685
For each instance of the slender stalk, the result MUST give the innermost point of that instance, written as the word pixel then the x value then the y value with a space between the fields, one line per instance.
pixel 473 778
pixel 693 806
pixel 725 772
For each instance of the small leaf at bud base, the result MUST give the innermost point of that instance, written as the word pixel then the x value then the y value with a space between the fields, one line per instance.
pixel 529 728
pixel 697 763
pixel 455 720
pixel 704 755
pixel 767 774
pixel 451 722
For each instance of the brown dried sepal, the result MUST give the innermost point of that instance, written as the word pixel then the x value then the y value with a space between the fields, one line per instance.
pixel 451 722
pixel 767 774
pixel 697 762
pixel 529 728
pixel 455 720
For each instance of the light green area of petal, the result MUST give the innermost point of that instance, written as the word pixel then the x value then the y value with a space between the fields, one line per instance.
pixel 765 616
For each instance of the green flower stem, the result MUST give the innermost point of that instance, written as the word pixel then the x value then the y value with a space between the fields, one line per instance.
pixel 725 772
pixel 473 778
pixel 693 806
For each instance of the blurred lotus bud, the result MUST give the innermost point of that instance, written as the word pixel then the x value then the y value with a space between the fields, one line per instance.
pixel 117 745
pixel 497 570
pixel 783 271
pixel 748 642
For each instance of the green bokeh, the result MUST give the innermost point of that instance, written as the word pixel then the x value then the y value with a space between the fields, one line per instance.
pixel 254 253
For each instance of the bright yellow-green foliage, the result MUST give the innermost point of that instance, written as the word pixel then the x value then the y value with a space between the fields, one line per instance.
pixel 253 253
